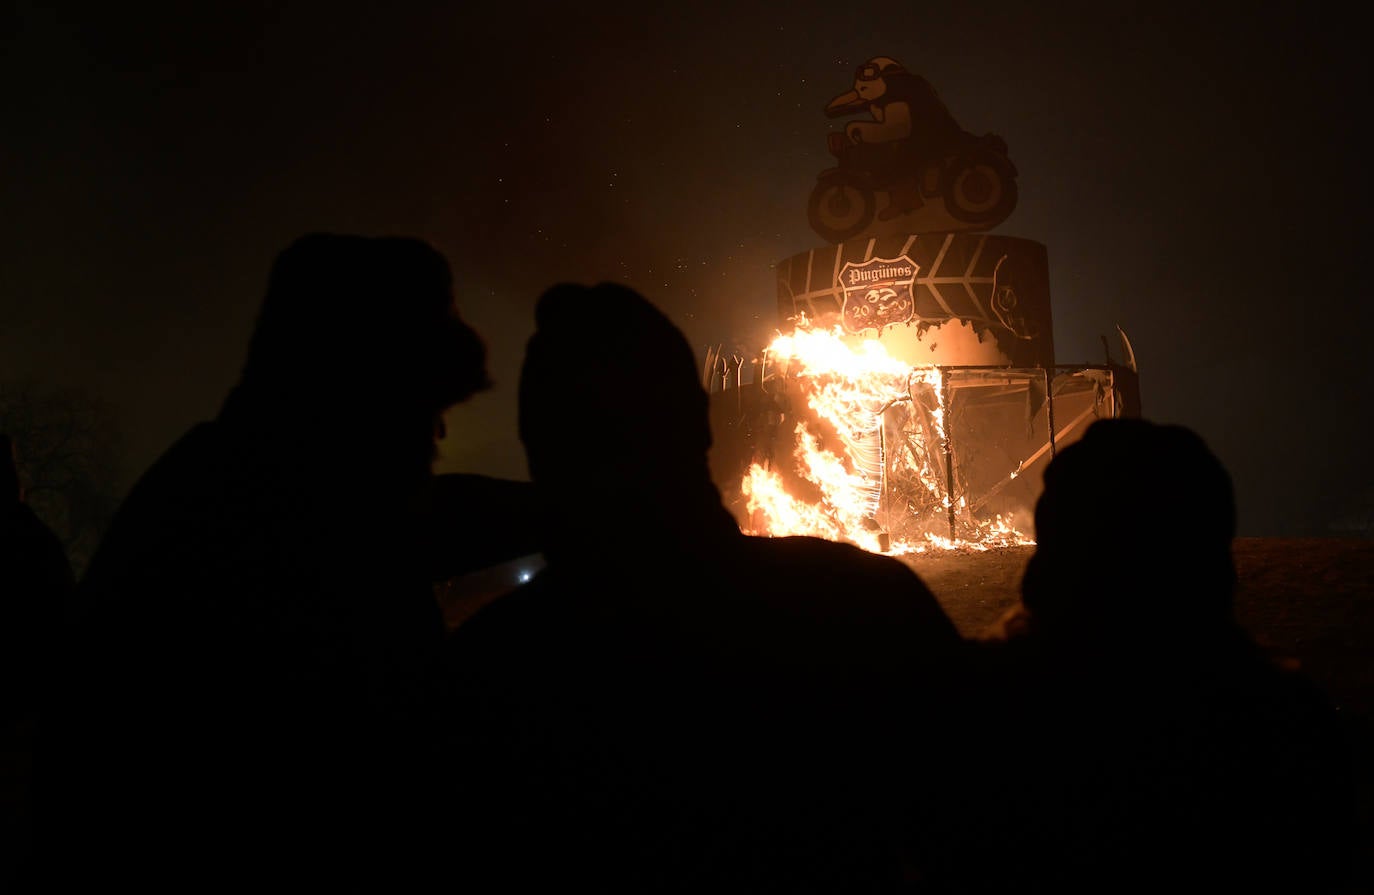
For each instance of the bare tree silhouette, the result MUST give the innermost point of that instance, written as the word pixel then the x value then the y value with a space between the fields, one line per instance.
pixel 69 447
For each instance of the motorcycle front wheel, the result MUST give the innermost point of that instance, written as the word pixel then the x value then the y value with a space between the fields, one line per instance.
pixel 839 208
pixel 979 188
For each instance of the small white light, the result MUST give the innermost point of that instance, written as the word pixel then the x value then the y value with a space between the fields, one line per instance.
pixel 524 576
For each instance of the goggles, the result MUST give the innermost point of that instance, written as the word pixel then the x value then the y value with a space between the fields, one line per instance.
pixel 870 72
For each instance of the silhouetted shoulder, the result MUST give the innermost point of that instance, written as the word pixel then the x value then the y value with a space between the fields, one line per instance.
pixel 848 583
pixel 519 615
pixel 817 554
pixel 821 556
pixel 177 516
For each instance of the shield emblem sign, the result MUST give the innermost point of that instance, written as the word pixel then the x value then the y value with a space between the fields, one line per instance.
pixel 877 293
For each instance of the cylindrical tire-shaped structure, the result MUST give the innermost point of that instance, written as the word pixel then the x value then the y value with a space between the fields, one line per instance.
pixel 935 298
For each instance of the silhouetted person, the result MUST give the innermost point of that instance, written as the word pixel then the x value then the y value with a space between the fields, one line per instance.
pixel 251 689
pixel 36 584
pixel 670 705
pixel 1133 736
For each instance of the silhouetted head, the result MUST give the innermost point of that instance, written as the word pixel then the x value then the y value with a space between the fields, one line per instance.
pixel 1133 530
pixel 361 335
pixel 10 489
pixel 610 397
pixel 350 316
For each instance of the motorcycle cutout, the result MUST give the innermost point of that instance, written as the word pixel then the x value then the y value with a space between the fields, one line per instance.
pixel 912 158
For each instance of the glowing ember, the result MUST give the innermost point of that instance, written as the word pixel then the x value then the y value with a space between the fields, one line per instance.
pixel 877 477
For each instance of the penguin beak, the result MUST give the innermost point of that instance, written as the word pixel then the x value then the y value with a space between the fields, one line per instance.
pixel 844 104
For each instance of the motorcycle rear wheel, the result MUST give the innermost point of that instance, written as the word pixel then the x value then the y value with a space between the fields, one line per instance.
pixel 979 188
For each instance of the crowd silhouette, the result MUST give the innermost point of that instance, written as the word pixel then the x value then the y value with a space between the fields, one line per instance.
pixel 252 683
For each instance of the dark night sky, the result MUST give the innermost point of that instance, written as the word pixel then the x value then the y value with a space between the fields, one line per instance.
pixel 1196 175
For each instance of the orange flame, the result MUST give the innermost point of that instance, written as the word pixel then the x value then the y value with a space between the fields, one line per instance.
pixel 861 392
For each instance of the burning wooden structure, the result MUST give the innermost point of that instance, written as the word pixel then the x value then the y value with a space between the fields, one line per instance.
pixel 912 396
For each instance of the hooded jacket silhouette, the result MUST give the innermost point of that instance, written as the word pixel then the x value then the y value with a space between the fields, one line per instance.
pixel 252 660
pixel 671 704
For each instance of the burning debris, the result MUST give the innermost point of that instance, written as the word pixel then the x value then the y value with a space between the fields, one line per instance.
pixel 868 454
pixel 911 434
pixel 842 441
